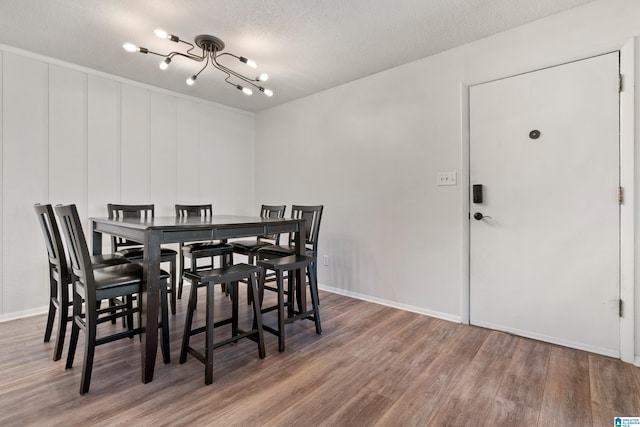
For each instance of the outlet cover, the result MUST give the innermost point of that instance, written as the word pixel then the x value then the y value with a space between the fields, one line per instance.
pixel 446 178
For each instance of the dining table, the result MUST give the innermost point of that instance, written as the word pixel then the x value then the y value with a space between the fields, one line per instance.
pixel 154 232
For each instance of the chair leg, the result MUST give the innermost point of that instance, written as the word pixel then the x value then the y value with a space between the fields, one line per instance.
pixel 75 330
pixel 50 318
pixel 164 311
pixel 180 277
pixel 315 302
pixel 194 269
pixel 280 285
pixel 234 307
pixel 187 323
pixel 224 262
pixel 89 352
pixel 257 315
pixel 52 310
pixel 129 306
pixel 208 355
pixel 63 318
pixel 251 259
pixel 173 285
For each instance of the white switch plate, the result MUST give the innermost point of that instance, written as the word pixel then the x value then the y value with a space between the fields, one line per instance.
pixel 447 178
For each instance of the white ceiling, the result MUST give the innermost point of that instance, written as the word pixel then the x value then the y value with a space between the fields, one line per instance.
pixel 306 46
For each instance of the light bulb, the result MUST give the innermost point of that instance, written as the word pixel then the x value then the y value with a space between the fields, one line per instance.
pixel 267 92
pixel 161 33
pixel 263 77
pixel 250 62
pixel 191 80
pixel 165 64
pixel 130 47
pixel 247 91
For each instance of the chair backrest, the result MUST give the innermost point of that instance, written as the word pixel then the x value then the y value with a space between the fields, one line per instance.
pixel 312 215
pixel 53 240
pixel 79 257
pixel 272 211
pixel 194 211
pixel 128 211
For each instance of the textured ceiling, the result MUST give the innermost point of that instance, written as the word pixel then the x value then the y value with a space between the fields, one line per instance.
pixel 305 45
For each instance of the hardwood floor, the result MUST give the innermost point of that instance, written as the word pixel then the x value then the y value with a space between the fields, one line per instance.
pixel 373 366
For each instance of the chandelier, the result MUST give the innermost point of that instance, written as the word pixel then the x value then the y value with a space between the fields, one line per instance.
pixel 211 47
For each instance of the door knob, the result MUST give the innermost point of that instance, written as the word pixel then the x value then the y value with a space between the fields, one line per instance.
pixel 478 216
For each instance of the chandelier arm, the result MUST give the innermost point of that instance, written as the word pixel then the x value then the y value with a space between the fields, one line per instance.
pixel 185 42
pixel 234 73
pixel 237 57
pixel 144 50
pixel 205 66
pixel 189 56
pixel 227 78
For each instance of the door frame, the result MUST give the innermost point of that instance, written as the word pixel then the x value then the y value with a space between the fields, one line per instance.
pixel 627 209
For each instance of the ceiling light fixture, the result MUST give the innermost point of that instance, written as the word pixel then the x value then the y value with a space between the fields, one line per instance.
pixel 211 47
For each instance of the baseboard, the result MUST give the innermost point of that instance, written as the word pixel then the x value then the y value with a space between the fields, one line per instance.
pixel 22 314
pixel 551 339
pixel 393 304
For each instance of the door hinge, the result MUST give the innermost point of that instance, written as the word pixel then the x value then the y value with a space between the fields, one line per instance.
pixel 620 196
pixel 619 82
pixel 620 308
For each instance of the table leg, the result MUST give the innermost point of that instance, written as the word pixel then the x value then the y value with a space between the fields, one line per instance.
pixel 300 276
pixel 96 241
pixel 150 303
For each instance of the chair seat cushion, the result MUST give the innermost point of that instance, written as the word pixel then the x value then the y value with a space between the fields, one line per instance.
pixel 249 245
pixel 108 259
pixel 122 279
pixel 290 262
pixel 230 273
pixel 138 253
pixel 276 250
pixel 207 249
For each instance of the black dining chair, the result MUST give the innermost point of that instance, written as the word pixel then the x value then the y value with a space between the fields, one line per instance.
pixel 312 216
pixel 230 275
pixel 290 264
pixel 134 251
pixel 283 258
pixel 91 285
pixel 60 276
pixel 249 247
pixel 200 250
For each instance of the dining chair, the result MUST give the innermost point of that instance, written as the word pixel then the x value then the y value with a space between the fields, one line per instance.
pixel 60 276
pixel 134 251
pixel 290 264
pixel 91 285
pixel 312 216
pixel 283 258
pixel 230 275
pixel 199 250
pixel 249 247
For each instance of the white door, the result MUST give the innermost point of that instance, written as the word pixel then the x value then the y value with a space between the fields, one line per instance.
pixel 544 259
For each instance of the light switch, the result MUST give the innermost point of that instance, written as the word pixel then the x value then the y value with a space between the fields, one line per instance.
pixel 447 178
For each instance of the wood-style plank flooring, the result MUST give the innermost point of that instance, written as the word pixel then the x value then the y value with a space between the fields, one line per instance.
pixel 373 366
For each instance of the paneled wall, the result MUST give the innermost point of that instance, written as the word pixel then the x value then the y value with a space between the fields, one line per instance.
pixel 70 135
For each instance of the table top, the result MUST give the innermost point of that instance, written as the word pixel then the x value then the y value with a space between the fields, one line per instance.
pixel 169 222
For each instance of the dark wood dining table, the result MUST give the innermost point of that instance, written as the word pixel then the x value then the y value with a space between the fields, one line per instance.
pixel 153 232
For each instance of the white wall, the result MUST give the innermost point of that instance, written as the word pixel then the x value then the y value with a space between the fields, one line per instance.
pixel 71 135
pixel 370 151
